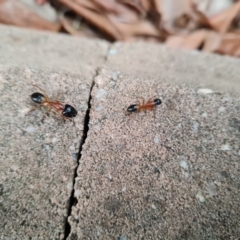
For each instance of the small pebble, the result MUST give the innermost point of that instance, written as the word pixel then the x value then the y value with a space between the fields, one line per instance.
pixel 112 52
pixel 195 127
pixel 99 80
pixel 184 164
pixel 30 129
pixel 153 206
pixel 122 238
pixel 200 197
pixel 77 193
pixel 156 140
pixel 54 140
pixel 205 115
pixel 225 147
pixel 99 108
pixel 101 93
pixel 221 109
pixel 205 90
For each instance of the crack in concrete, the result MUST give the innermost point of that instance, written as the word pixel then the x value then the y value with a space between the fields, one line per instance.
pixel 72 199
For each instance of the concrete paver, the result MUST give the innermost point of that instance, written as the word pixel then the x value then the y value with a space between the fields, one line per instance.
pixel 38 151
pixel 38 154
pixel 46 51
pixel 169 176
pixel 194 68
pixel 174 176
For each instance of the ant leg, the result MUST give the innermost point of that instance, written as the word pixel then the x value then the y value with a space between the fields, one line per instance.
pixel 58 97
pixel 151 99
pixel 65 118
pixel 154 112
pixel 143 100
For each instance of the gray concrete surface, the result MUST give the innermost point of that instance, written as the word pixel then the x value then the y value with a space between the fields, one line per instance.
pixel 38 154
pixel 154 61
pixel 174 175
pixel 38 151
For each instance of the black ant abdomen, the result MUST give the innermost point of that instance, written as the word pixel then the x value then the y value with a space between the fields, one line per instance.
pixel 69 111
pixel 37 97
pixel 132 108
pixel 157 101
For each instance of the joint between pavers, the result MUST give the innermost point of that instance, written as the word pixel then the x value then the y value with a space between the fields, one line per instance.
pixel 67 228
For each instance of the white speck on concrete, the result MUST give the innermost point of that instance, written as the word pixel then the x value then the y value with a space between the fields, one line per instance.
pixel 69 186
pixel 119 146
pixel 239 152
pixel 123 238
pixel 112 52
pixel 99 108
pixel 205 115
pixel 153 206
pixel 101 93
pixel 99 231
pixel 225 147
pixel 110 176
pixel 200 197
pixel 30 129
pixel 72 148
pixel 221 109
pixel 99 80
pixel 77 193
pixel 83 106
pixel 184 164
pixel 54 140
pixel 156 140
pixel 205 91
pixel 186 175
pixel 24 111
pixel 195 127
pixel 124 189
pixel 14 168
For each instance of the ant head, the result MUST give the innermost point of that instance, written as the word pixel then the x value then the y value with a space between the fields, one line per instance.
pixel 37 97
pixel 69 111
pixel 157 101
pixel 132 108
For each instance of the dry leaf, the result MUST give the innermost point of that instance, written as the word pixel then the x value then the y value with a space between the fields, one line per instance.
pixel 212 41
pixel 98 20
pixel 190 42
pixel 230 45
pixel 18 14
pixel 222 21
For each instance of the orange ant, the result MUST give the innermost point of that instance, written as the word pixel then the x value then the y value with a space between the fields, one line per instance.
pixel 66 111
pixel 144 106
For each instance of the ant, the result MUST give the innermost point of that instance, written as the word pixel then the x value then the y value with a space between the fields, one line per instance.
pixel 144 106
pixel 66 111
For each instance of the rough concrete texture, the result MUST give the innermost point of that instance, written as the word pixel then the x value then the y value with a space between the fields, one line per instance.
pixel 38 153
pixel 154 61
pixel 172 176
pixel 45 51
